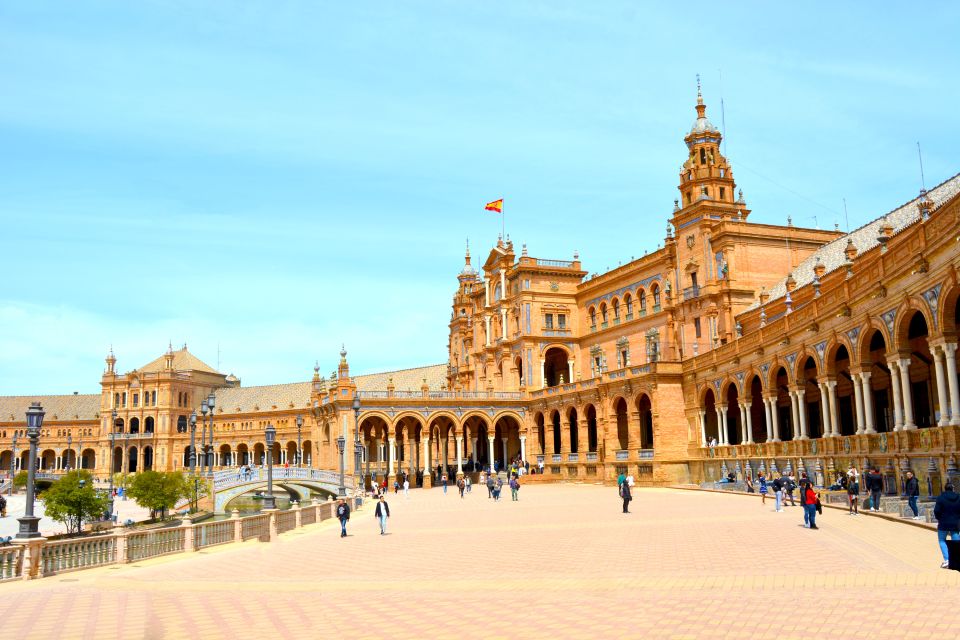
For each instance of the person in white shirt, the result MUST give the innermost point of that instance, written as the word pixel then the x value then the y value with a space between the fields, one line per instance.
pixel 406 488
pixel 630 480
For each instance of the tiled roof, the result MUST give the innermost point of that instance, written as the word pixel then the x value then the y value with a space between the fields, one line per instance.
pixel 831 255
pixel 281 396
pixel 183 360
pixel 56 408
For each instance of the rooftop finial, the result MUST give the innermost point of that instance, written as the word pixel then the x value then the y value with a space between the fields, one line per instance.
pixel 699 94
pixel 343 352
pixel 468 249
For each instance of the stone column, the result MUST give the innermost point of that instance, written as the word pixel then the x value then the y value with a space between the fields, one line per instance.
pixel 702 417
pixel 543 373
pixel 446 453
pixel 802 413
pixel 473 450
pixel 768 419
pixel 523 448
pixel 425 457
pixel 490 450
pixel 825 409
pixel 749 427
pixel 505 460
pixel 945 410
pixel 774 419
pixel 867 403
pixel 459 455
pixel 723 411
pixel 897 394
pixel 487 326
pixel 908 419
pixel 858 401
pixel 570 371
pixel 834 408
pixel 720 435
pixel 950 353
pixel 391 449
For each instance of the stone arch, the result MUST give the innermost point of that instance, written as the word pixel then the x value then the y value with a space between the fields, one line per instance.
pixel 905 314
pixel 705 391
pixel 621 413
pixel 725 388
pixel 540 424
pixel 644 405
pixel 590 416
pixel 376 414
pixel 948 309
pixel 405 415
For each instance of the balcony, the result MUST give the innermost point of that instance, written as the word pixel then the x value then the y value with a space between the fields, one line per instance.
pixel 622 454
pixel 656 308
pixel 592 456
pixel 691 293
pixel 616 321
pixel 646 454
pixel 556 457
pixel 557 332
pixel 563 264
pixel 604 325
pixel 573 457
pixel 629 317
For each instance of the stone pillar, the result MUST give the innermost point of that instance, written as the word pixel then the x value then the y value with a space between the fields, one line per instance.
pixel 825 409
pixel 774 419
pixel 425 457
pixel 869 426
pixel 802 413
pixel 490 450
pixel 570 369
pixel 950 353
pixel 702 418
pixel 505 460
pixel 723 411
pixel 390 456
pixel 543 373
pixel 768 419
pixel 523 448
pixel 945 410
pixel 749 427
pixel 834 408
pixel 486 320
pixel 897 394
pixel 720 435
pixel 473 450
pixel 908 419
pixel 459 455
pixel 858 401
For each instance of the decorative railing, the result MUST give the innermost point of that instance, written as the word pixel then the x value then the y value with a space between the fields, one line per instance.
pixel 11 562
pixel 442 395
pixel 235 476
pixel 212 533
pixel 564 264
pixel 60 556
pixel 286 520
pixel 691 293
pixel 556 457
pixel 573 457
pixel 150 544
pixel 373 394
pixel 622 455
pixel 557 332
pixel 255 527
pixel 646 454
pixel 592 456
pixel 507 395
pixel 408 394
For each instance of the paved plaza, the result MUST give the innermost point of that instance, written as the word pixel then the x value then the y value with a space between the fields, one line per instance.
pixel 561 562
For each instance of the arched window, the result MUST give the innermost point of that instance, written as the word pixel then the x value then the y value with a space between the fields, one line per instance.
pixel 616 309
pixel 116 400
pixel 497 293
pixel 655 290
pixel 628 303
pixel 593 317
pixel 642 297
pixel 603 312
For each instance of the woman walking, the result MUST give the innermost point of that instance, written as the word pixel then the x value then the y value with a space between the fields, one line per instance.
pixel 853 494
pixel 762 481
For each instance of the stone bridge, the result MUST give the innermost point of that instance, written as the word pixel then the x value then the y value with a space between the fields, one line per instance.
pixel 300 483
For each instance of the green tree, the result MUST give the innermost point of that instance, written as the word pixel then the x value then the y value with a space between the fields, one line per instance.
pixel 159 491
pixel 20 480
pixel 73 499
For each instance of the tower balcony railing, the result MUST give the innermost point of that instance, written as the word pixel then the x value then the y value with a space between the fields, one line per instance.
pixel 690 293
pixel 565 264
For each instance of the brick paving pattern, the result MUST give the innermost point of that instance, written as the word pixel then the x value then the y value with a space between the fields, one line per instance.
pixel 562 562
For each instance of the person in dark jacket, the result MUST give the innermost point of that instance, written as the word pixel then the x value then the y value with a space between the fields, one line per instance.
pixel 778 492
pixel 912 490
pixel 343 515
pixel 874 482
pixel 947 512
pixel 627 497
pixel 382 513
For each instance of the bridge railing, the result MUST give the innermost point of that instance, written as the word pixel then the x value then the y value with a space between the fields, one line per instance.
pixel 235 477
pixel 39 557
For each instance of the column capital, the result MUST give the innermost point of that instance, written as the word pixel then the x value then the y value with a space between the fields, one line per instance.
pixel 949 348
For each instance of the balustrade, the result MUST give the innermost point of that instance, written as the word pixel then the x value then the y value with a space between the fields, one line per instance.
pixel 150 544
pixel 212 533
pixel 11 562
pixel 60 556
pixel 286 520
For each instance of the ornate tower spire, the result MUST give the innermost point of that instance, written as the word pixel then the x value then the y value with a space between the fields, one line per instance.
pixel 111 360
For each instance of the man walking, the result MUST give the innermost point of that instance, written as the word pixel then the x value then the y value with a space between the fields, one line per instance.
pixel 778 492
pixel 514 488
pixel 874 483
pixel 382 513
pixel 853 493
pixel 343 515
pixel 627 496
pixel 490 484
pixel 912 490
pixel 443 481
pixel 406 487
pixel 947 512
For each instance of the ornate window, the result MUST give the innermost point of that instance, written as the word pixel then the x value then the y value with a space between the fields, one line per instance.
pixel 628 303
pixel 655 290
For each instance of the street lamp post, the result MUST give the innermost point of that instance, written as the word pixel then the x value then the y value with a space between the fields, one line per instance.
pixel 29 523
pixel 211 404
pixel 13 463
pixel 113 435
pixel 270 502
pixel 299 445
pixel 203 435
pixel 193 457
pixel 357 447
pixel 341 445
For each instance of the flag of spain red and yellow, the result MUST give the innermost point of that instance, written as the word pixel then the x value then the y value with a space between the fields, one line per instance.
pixel 496 205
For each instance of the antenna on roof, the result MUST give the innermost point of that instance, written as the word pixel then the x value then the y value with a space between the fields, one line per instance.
pixel 922 180
pixel 723 116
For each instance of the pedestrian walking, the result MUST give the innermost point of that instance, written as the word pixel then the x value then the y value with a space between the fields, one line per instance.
pixel 620 480
pixel 627 497
pixel 912 489
pixel 762 481
pixel 461 486
pixel 443 481
pixel 406 488
pixel 804 485
pixel 853 494
pixel 343 515
pixel 874 482
pixel 382 513
pixel 497 488
pixel 469 483
pixel 490 484
pixel 514 488
pixel 396 487
pixel 810 502
pixel 947 512
pixel 778 492
pixel 789 486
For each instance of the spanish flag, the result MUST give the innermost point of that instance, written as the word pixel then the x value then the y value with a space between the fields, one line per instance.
pixel 496 205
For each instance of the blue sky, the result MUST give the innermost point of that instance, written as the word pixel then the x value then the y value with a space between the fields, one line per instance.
pixel 275 178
